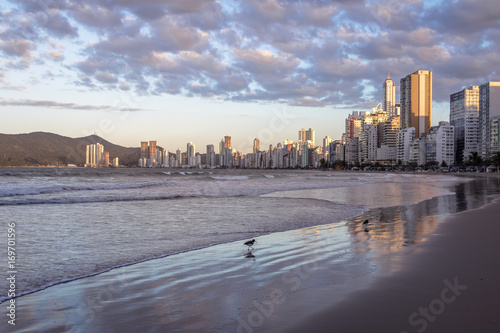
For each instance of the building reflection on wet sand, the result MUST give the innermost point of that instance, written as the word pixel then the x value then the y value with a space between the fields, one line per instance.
pixel 391 229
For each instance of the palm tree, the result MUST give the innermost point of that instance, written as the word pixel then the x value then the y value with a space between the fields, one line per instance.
pixel 495 159
pixel 474 159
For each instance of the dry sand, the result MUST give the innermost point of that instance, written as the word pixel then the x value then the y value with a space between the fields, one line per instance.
pixel 450 285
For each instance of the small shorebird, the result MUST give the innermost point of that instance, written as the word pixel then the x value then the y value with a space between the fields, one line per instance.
pixel 365 224
pixel 250 244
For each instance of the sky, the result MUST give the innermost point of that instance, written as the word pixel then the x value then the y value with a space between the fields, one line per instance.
pixel 197 70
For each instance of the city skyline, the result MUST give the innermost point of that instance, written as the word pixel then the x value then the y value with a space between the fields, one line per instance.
pixel 257 69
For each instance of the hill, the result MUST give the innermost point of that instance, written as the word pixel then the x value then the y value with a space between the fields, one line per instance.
pixel 40 148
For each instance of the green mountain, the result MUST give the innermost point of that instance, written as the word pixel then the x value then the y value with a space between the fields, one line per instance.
pixel 41 148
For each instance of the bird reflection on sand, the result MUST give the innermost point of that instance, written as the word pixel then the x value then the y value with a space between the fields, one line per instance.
pixel 249 254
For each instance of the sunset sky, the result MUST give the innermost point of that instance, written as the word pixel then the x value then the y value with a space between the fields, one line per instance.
pixel 196 70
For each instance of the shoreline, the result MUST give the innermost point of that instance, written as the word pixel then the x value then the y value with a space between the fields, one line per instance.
pixel 448 285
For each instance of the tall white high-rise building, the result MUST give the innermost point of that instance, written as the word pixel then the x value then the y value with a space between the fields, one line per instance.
pixel 445 138
pixel 326 142
pixel 211 163
pixel 489 113
pixel 376 119
pixel 370 143
pixel 403 140
pixel 352 150
pixel 464 116
pixel 94 156
pixel 178 158
pixel 389 98
pixel 166 162
pixel 191 152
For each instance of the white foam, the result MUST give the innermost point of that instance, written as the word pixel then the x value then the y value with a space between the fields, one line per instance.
pixel 229 177
pixel 77 200
pixel 10 190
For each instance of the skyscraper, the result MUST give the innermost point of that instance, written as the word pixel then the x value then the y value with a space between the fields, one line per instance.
pixel 311 136
pixel 389 99
pixel 489 113
pixel 227 141
pixel 307 135
pixel 391 129
pixel 302 135
pixel 144 149
pixel 403 140
pixel 211 156
pixel 256 145
pixel 178 158
pixel 464 116
pixel 94 156
pixel 152 150
pixel 190 154
pixel 226 153
pixel 326 142
pixel 353 124
pixel 371 135
pixel 416 101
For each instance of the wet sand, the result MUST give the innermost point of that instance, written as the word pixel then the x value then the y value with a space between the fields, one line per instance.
pixel 450 285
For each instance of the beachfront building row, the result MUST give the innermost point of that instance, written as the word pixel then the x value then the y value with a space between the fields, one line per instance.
pixel 406 136
pixel 475 113
pixel 381 140
pixel 288 154
pixel 152 156
pixel 386 134
pixel 96 157
pixel 436 146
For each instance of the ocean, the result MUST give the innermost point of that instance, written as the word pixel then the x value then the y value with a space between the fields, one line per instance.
pixel 76 223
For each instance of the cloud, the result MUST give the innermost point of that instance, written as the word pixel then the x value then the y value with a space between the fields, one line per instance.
pixel 314 53
pixel 56 55
pixel 17 47
pixel 59 105
pixel 310 102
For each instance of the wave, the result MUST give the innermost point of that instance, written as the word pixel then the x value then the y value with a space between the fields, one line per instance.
pixel 63 188
pixel 229 177
pixel 76 200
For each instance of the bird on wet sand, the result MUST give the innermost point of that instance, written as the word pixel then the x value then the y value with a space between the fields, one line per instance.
pixel 365 224
pixel 250 243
